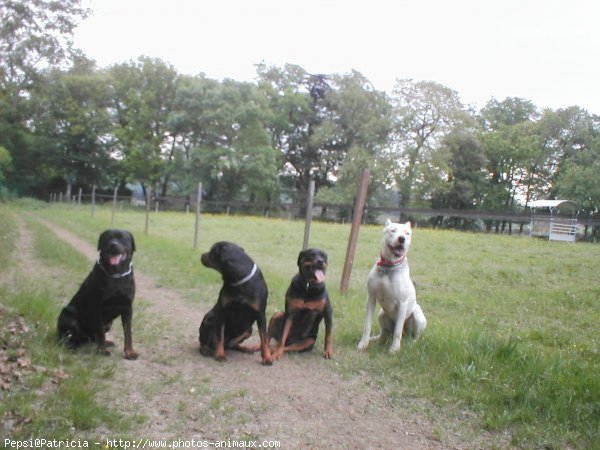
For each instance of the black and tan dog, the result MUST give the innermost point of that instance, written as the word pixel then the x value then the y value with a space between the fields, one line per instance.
pixel 242 301
pixel 306 305
pixel 105 294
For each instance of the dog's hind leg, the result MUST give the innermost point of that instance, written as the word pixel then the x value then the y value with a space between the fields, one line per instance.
pixel 399 327
pixel 265 351
pixel 236 343
pixel 416 323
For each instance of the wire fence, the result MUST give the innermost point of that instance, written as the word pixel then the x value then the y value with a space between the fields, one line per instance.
pixel 501 222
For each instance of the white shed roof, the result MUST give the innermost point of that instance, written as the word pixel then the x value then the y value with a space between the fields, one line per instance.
pixel 549 203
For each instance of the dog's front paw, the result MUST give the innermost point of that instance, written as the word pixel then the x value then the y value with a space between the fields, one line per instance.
pixel 328 354
pixel 131 355
pixel 363 344
pixel 276 354
pixel 103 351
pixel 395 346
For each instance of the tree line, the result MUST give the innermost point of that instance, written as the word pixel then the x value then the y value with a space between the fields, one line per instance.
pixel 66 123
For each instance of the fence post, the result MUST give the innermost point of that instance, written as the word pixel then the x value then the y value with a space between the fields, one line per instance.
pixel 197 226
pixel 359 206
pixel 114 206
pixel 93 199
pixel 309 208
pixel 148 196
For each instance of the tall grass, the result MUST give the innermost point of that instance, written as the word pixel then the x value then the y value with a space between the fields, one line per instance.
pixel 512 332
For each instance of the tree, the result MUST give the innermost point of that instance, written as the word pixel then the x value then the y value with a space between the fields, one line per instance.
pixel 423 113
pixel 465 173
pixel 565 133
pixel 35 35
pixel 221 139
pixel 71 125
pixel 142 97
pixel 361 116
pixel 235 157
pixel 512 149
pixel 193 121
pixel 318 120
pixel 298 126
pixel 578 180
pixel 577 159
pixel 5 164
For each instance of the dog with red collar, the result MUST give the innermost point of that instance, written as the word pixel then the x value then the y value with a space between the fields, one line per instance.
pixel 389 284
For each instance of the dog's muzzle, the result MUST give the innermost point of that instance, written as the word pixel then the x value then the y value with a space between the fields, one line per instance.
pixel 115 260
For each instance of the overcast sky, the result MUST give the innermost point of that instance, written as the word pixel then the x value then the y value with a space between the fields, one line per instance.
pixel 546 51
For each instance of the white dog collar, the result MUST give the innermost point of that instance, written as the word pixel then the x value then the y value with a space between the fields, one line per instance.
pixel 116 275
pixel 247 278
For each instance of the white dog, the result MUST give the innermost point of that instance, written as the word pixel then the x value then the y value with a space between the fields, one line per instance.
pixel 389 283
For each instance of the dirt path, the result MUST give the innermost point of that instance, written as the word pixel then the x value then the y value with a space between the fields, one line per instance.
pixel 300 401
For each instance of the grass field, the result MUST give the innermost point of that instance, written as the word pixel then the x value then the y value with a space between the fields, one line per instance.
pixel 513 323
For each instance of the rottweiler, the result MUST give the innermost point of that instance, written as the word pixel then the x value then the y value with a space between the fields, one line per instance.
pixel 306 304
pixel 105 294
pixel 242 301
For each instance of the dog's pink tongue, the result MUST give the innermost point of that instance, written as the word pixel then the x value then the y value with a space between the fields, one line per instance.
pixel 115 260
pixel 319 275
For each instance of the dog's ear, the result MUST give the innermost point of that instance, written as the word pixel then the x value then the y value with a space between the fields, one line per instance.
pixel 388 221
pixel 101 238
pixel 407 225
pixel 132 242
pixel 324 256
pixel 301 256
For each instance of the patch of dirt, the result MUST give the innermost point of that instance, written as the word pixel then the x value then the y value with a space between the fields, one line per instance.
pixel 301 401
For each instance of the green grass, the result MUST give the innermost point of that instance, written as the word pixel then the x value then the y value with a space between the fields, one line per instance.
pixel 512 336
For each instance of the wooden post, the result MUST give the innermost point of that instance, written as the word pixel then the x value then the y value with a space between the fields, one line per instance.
pixel 114 206
pixel 197 226
pixel 148 196
pixel 309 208
pixel 93 199
pixel 79 198
pixel 359 207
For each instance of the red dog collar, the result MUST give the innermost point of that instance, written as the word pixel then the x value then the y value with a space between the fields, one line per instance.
pixel 387 263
